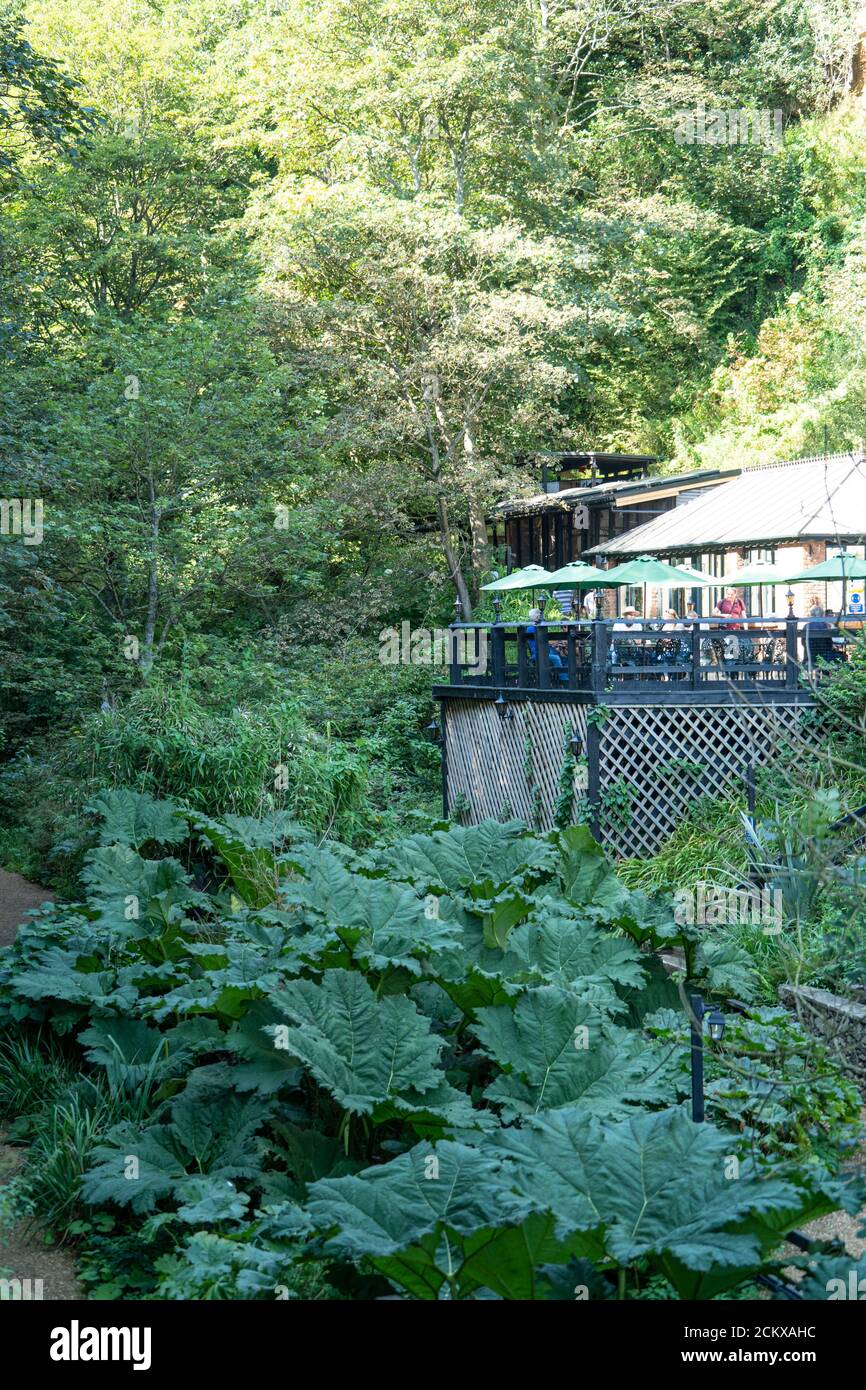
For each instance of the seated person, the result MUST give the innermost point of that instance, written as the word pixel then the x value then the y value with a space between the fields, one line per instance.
pixel 670 649
pixel 554 659
pixel 623 652
pixel 818 637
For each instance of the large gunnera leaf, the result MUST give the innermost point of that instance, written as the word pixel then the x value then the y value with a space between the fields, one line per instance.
pixel 375 1056
pixel 135 819
pixel 384 924
pixel 136 896
pixel 132 1051
pixel 56 974
pixel 586 874
pixel 556 1050
pixel 265 1066
pixel 651 1185
pixel 562 949
pixel 249 848
pixel 211 1134
pixel 434 1219
pixel 488 856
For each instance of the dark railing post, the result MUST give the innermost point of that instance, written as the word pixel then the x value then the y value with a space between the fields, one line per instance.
pixel 749 779
pixel 455 643
pixel 572 656
pixel 696 655
pixel 792 669
pixel 599 655
pixel 444 747
pixel 497 638
pixel 543 656
pixel 522 658
pixel 593 777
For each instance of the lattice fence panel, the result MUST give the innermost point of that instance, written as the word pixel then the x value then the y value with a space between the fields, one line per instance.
pixel 513 765
pixel 669 756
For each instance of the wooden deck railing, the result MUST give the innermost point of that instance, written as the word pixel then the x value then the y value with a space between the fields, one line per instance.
pixel 609 655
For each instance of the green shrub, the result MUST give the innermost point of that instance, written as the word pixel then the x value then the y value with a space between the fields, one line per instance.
pixel 266 1069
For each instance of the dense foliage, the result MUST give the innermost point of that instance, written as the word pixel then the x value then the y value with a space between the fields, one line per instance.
pixel 290 294
pixel 285 1069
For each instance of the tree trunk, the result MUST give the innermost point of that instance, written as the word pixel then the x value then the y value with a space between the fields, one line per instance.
pixel 146 661
pixel 477 522
pixel 451 555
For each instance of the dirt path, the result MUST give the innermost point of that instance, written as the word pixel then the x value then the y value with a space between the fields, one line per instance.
pixel 17 896
pixel 24 1253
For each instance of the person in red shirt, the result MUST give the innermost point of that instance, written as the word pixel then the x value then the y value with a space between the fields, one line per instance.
pixel 731 606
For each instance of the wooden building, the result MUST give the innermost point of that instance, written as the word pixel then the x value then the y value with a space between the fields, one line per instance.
pixel 645 723
pixel 590 499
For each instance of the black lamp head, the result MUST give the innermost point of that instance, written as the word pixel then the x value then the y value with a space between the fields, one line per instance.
pixel 716 1024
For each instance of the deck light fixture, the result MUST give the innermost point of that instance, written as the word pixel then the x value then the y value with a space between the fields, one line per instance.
pixel 502 707
pixel 575 743
pixel 433 733
pixel 790 597
pixel 716 1024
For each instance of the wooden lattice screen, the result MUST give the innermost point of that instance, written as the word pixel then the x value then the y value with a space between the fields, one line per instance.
pixel 667 756
pixel 489 759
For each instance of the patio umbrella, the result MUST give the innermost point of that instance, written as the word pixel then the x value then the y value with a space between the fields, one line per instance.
pixel 756 575
pixel 578 575
pixel 531 577
pixel 842 567
pixel 647 570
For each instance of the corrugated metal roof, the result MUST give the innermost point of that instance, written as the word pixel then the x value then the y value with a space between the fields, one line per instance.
pixel 614 491
pixel 805 499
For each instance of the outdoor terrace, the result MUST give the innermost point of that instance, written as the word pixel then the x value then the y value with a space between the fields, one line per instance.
pixel 605 661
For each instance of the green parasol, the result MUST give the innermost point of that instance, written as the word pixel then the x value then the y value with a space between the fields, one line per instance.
pixel 531 577
pixel 844 567
pixel 647 570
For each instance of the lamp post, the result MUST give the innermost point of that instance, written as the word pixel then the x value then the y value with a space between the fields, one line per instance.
pixel 698 1010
